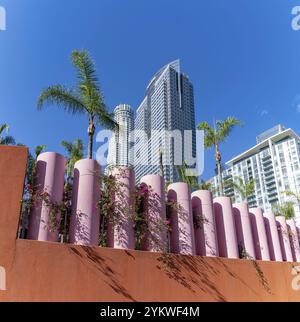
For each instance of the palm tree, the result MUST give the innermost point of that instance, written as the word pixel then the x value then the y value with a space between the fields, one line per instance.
pixel 285 209
pixel 86 98
pixel 245 189
pixel 75 153
pixel 294 195
pixel 190 180
pixel 7 139
pixel 216 135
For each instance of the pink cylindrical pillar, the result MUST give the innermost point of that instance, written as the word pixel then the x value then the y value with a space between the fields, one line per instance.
pixel 120 231
pixel 243 230
pixel 50 172
pixel 273 237
pixel 259 234
pixel 85 220
pixel 205 227
pixel 182 233
pixel 226 233
pixel 155 239
pixel 294 239
pixel 284 239
pixel 298 230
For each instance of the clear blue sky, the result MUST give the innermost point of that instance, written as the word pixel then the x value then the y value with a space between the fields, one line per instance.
pixel 241 55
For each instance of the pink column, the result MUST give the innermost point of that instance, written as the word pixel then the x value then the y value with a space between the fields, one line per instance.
pixel 120 232
pixel 284 239
pixel 298 229
pixel 155 214
pixel 226 233
pixel 243 230
pixel 205 230
pixel 294 239
pixel 273 237
pixel 259 234
pixel 85 220
pixel 50 172
pixel 182 234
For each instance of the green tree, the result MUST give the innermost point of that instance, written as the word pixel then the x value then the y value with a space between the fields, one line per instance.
pixel 294 195
pixel 245 189
pixel 285 209
pixel 74 153
pixel 192 181
pixel 214 136
pixel 4 138
pixel 85 98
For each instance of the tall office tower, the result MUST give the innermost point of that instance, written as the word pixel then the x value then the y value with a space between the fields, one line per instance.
pixel 119 152
pixel 274 164
pixel 166 112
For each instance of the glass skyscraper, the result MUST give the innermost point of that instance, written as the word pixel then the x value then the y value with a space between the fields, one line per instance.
pixel 120 152
pixel 166 112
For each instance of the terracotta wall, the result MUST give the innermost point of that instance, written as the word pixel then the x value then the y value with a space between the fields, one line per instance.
pixel 54 272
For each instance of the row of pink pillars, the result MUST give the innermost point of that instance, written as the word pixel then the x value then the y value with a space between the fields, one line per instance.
pixel 200 225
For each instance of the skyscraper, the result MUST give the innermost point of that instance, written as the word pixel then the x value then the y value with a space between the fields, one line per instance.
pixel 119 153
pixel 274 164
pixel 166 112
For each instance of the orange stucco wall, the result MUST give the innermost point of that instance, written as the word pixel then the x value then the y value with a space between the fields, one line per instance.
pixel 38 271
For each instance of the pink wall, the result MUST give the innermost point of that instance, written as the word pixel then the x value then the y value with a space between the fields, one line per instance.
pixel 182 233
pixel 85 219
pixel 50 171
pixel 120 232
pixel 226 232
pixel 273 237
pixel 205 229
pixel 260 238
pixel 244 230
pixel 155 213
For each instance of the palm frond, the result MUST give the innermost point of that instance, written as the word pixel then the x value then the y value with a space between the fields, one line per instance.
pixel 225 127
pixel 86 71
pixel 39 149
pixel 68 146
pixel 4 127
pixel 285 209
pixel 7 140
pixel 63 97
pixel 209 134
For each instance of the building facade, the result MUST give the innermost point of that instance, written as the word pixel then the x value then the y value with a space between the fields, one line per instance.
pixel 165 115
pixel 274 165
pixel 120 152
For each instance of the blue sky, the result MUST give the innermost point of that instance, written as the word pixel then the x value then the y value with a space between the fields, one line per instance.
pixel 241 55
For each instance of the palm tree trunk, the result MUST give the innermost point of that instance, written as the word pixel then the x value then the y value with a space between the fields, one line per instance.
pixel 219 170
pixel 91 132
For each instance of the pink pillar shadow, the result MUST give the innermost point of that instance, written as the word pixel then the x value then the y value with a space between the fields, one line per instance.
pixel 284 239
pixel 244 230
pixel 85 220
pixel 273 237
pixel 120 231
pixel 226 233
pixel 50 172
pixel 182 233
pixel 155 214
pixel 259 234
pixel 204 219
pixel 294 239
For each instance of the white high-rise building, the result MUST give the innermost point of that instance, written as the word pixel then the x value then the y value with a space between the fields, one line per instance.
pixel 166 112
pixel 119 152
pixel 274 164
